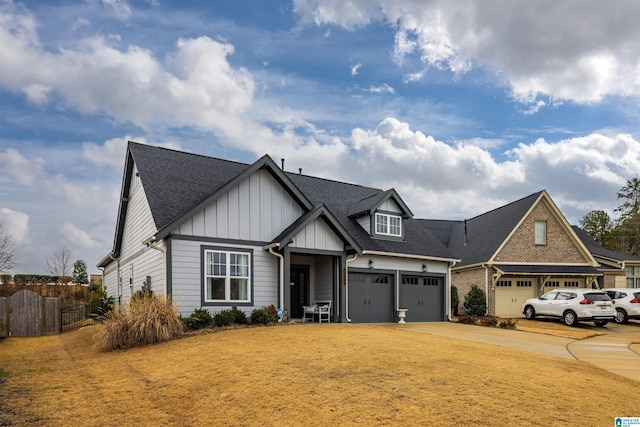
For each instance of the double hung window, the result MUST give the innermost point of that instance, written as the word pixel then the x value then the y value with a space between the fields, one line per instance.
pixel 227 276
pixel 388 225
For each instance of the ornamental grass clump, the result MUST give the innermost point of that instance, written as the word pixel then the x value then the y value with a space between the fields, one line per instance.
pixel 146 320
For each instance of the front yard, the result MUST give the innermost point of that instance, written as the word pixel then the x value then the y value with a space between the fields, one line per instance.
pixel 330 374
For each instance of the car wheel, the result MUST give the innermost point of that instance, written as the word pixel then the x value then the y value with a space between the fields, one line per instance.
pixel 529 313
pixel 600 322
pixel 621 316
pixel 569 318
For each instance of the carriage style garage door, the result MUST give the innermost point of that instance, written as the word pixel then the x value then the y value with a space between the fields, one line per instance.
pixel 371 298
pixel 511 294
pixel 423 297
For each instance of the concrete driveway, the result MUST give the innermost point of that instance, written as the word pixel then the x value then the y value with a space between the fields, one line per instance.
pixel 612 351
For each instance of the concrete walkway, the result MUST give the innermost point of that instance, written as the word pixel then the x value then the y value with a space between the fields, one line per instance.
pixel 613 351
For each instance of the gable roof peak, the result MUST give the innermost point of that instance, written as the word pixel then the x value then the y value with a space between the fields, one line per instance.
pixel 531 198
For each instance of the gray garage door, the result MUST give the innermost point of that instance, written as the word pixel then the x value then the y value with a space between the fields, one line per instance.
pixel 423 297
pixel 371 298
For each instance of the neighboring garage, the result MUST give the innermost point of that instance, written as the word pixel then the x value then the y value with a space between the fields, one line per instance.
pixel 423 297
pixel 371 298
pixel 512 293
pixel 517 283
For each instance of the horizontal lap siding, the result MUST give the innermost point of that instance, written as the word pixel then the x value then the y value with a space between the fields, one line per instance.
pixel 402 264
pixel 186 276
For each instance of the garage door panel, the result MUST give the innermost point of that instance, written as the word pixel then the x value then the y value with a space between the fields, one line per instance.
pixel 370 298
pixel 423 297
pixel 510 294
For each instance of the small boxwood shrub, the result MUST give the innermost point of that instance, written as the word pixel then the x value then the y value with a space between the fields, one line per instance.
pixel 475 302
pixel 200 318
pixel 263 316
pixel 238 316
pixel 224 318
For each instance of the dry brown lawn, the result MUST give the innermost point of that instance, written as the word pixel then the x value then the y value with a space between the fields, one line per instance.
pixel 292 375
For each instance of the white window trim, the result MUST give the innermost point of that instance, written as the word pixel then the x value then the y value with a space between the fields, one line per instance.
pixel 387 224
pixel 227 276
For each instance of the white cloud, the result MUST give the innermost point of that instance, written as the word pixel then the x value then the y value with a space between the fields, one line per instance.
pixel 80 22
pixel 384 88
pixel 16 224
pixel 121 9
pixel 572 51
pixel 112 152
pixel 464 179
pixel 77 236
pixel 19 169
pixel 355 68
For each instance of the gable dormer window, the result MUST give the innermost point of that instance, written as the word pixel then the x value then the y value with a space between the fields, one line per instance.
pixel 388 225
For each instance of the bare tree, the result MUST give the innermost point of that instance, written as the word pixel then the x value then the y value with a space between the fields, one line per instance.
pixel 7 252
pixel 59 263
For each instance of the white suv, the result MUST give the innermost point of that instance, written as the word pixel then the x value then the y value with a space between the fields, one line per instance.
pixel 572 306
pixel 627 303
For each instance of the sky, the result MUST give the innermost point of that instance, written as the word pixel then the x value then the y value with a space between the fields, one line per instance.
pixel 460 106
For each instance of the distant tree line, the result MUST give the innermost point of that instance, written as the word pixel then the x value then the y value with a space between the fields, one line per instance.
pixel 623 233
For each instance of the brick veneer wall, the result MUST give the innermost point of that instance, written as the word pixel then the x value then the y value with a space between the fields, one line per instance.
pixel 463 281
pixel 521 246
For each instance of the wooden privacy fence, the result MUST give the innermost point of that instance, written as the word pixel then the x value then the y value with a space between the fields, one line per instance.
pixel 28 314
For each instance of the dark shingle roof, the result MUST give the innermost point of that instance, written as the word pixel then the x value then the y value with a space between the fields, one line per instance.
pixel 599 250
pixel 176 182
pixel 339 197
pixel 477 239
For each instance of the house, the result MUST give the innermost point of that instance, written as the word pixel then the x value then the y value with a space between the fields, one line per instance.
pixel 619 270
pixel 517 251
pixel 212 233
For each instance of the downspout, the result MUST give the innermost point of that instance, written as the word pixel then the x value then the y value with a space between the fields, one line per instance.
pixel 486 287
pixel 118 284
pixel 270 249
pixel 448 296
pixel 150 243
pixel 346 287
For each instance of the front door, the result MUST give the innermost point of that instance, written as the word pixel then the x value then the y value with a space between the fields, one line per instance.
pixel 299 289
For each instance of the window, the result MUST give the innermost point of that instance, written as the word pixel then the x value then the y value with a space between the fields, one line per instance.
pixel 523 283
pixel 633 277
pixel 552 284
pixel 571 284
pixel 503 283
pixel 388 225
pixel 226 276
pixel 541 232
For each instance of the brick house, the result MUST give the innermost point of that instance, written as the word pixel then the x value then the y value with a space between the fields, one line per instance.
pixel 619 270
pixel 518 251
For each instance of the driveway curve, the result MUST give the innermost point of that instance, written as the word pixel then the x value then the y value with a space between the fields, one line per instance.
pixel 614 351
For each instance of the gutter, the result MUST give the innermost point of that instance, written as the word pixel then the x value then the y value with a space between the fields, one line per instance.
pixel 486 288
pixel 150 242
pixel 346 287
pixel 399 255
pixel 270 249
pixel 448 296
pixel 118 283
